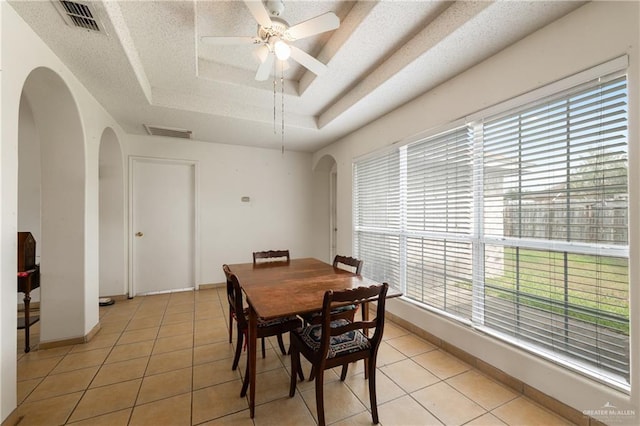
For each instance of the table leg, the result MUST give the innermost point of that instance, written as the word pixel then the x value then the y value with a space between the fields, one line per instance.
pixel 251 359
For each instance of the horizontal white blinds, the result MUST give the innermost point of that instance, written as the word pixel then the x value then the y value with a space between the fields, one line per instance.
pixel 569 304
pixel 439 184
pixel 555 187
pixel 517 223
pixel 439 221
pixel 558 171
pixel 381 256
pixel 377 216
pixel 439 274
pixel 377 192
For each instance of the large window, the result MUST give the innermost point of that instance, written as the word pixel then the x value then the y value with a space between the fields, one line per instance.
pixel 516 223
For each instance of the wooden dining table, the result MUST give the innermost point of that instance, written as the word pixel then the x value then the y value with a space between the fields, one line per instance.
pixel 283 288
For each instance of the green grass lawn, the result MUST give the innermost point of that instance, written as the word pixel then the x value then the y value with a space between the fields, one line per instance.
pixel 596 289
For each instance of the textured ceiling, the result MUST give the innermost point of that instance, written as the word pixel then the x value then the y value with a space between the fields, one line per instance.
pixel 148 66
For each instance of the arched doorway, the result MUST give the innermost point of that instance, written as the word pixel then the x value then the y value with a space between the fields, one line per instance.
pixel 325 208
pixel 49 125
pixel 112 217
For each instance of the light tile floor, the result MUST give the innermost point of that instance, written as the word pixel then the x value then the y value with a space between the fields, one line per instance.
pixel 166 360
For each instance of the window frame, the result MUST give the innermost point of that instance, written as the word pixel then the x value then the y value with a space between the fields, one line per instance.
pixel 601 73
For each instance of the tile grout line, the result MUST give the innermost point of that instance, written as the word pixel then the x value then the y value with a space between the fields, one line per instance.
pixel 215 303
pixel 83 391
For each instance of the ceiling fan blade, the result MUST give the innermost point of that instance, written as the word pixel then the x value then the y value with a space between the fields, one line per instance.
pixel 228 41
pixel 264 70
pixel 308 61
pixel 259 12
pixel 325 22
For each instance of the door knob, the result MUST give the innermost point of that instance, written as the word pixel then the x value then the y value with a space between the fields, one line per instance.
pixel 139 234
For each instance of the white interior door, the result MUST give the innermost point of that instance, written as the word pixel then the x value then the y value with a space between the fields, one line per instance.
pixel 163 225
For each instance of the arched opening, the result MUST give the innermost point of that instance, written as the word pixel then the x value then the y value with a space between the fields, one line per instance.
pixel 51 188
pixel 112 217
pixel 325 208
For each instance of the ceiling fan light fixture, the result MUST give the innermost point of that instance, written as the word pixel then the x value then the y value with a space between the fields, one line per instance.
pixel 282 50
pixel 274 35
pixel 262 52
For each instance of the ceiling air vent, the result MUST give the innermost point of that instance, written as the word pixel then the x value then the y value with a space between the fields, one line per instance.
pixel 78 15
pixel 168 131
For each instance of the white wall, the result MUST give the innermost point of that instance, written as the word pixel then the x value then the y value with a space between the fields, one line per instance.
pixel 29 182
pixel 29 174
pixel 22 52
pixel 277 217
pixel 279 187
pixel 113 242
pixel 593 34
pixel 321 209
pixel 56 118
pixel 7 322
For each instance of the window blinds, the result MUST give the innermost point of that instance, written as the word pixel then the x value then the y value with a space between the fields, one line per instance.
pixel 517 223
pixel 439 221
pixel 377 216
pixel 555 193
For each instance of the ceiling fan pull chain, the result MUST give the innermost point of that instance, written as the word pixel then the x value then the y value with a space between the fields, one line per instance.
pixel 274 97
pixel 282 99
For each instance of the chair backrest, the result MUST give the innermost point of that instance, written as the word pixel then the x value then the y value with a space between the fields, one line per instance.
pixel 333 299
pixel 349 261
pixel 234 296
pixel 271 255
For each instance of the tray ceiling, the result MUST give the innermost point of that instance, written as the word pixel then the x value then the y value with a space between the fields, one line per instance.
pixel 147 65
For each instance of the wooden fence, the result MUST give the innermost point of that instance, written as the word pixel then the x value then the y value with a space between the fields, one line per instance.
pixel 604 223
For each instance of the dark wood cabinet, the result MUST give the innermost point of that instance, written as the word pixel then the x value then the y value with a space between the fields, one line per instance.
pixel 28 280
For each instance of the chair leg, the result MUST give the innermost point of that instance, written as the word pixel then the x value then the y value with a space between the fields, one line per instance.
pixel 230 325
pixel 343 375
pixel 263 348
pixel 295 367
pixel 245 381
pixel 312 373
pixel 281 344
pixel 373 400
pixel 236 357
pixel 320 398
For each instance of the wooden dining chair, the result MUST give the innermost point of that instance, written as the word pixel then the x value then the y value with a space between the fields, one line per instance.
pixel 348 261
pixel 335 343
pixel 347 312
pixel 275 327
pixel 270 255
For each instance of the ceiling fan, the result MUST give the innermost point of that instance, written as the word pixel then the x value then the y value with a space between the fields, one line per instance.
pixel 275 36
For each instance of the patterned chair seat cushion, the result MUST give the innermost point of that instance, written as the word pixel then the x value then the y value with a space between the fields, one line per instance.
pixel 349 342
pixel 276 321
pixel 271 322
